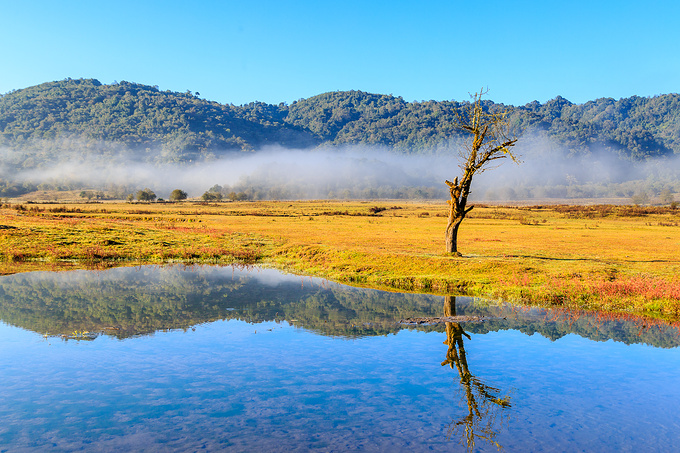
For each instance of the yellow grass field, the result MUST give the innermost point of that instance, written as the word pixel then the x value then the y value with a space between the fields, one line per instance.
pixel 614 258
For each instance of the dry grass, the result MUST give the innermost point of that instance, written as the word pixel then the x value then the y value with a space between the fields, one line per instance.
pixel 618 258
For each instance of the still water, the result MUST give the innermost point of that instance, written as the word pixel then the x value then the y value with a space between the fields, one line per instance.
pixel 211 359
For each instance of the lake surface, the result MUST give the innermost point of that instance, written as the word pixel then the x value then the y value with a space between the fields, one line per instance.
pixel 222 358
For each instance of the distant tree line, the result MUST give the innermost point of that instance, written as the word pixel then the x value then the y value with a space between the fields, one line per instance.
pixel 262 191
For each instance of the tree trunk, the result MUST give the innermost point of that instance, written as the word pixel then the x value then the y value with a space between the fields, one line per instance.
pixel 449 305
pixel 459 192
pixel 452 235
pixel 454 339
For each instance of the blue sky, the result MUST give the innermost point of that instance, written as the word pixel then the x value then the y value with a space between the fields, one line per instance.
pixel 280 51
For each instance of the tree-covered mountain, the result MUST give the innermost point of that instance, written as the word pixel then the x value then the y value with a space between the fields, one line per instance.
pixel 86 117
pixel 153 124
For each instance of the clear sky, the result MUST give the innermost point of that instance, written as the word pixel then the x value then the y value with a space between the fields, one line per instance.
pixel 280 51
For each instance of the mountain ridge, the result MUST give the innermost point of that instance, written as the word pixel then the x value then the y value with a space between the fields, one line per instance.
pixel 166 126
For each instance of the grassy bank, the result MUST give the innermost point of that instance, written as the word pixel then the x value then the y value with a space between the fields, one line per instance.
pixel 614 258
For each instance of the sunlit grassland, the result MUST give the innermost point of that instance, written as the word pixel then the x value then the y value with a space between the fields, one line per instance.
pixel 601 257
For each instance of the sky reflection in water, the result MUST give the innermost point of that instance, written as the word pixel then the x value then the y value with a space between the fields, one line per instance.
pixel 231 384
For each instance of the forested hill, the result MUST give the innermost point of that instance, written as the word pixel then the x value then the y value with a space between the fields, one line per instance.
pixel 40 122
pixel 165 125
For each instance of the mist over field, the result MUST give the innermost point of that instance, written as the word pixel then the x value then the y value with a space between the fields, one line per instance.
pixel 302 173
pixel 548 171
pixel 544 171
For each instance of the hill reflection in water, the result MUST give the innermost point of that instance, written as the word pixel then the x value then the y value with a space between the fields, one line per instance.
pixel 126 302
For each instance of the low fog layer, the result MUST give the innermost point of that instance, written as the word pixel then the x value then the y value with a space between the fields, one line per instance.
pixel 359 171
pixel 547 171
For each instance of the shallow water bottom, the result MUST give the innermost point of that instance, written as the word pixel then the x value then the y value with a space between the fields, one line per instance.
pixel 269 386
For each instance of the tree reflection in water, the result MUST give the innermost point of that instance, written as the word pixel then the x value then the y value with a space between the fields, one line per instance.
pixel 486 408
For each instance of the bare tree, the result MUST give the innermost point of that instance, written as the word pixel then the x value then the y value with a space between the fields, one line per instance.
pixel 491 140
